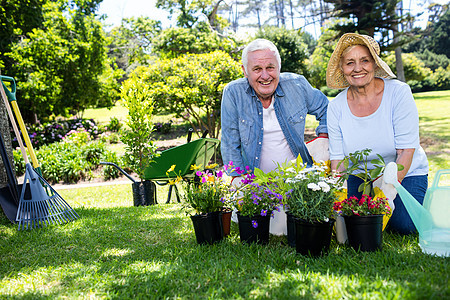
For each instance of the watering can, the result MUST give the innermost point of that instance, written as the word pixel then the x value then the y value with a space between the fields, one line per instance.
pixel 432 219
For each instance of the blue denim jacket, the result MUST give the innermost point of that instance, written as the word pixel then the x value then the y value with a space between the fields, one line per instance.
pixel 242 118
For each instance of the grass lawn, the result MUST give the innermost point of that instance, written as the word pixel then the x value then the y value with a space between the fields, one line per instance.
pixel 117 251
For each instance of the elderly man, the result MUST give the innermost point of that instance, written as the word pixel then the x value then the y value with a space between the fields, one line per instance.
pixel 263 115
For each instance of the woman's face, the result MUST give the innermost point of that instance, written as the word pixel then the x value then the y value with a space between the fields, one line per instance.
pixel 358 66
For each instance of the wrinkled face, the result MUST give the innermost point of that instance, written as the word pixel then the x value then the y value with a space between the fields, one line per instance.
pixel 263 73
pixel 358 66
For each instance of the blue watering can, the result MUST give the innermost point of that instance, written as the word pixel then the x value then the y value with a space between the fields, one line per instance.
pixel 432 219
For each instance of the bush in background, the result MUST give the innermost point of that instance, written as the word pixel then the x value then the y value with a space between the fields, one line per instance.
pixel 71 160
pixel 47 133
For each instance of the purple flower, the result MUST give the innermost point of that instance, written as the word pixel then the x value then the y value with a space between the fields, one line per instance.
pixel 263 212
pixel 198 173
pixel 254 224
pixel 219 174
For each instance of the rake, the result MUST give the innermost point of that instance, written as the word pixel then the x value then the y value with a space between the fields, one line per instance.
pixel 38 206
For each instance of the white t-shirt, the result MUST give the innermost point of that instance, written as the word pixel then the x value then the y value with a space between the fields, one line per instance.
pixel 394 125
pixel 275 148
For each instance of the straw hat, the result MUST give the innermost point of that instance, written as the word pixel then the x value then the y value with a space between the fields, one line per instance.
pixel 335 77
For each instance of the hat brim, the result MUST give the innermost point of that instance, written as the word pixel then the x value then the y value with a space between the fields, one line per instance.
pixel 335 77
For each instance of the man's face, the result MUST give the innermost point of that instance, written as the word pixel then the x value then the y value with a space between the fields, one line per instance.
pixel 263 73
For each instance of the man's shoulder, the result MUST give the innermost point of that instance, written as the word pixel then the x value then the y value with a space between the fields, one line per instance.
pixel 287 76
pixel 241 82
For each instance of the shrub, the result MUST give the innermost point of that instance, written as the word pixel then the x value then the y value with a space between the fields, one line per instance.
pixel 109 172
pixel 163 128
pixel 44 134
pixel 69 161
pixel 114 124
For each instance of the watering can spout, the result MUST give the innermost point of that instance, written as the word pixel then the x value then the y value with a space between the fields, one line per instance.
pixel 421 217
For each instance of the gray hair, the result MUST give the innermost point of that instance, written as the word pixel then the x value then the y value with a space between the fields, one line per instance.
pixel 259 44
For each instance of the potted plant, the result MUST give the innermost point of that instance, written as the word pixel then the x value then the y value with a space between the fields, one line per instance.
pixel 204 199
pixel 139 147
pixel 254 203
pixel 310 204
pixel 364 216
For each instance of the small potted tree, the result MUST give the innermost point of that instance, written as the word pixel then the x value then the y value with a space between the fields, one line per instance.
pixel 140 149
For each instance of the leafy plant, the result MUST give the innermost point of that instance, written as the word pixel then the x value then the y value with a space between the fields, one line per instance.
pixel 207 193
pixel 140 148
pixel 114 124
pixel 357 164
pixel 313 193
pixel 253 198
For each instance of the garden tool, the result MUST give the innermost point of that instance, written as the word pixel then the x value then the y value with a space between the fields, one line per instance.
pixel 12 98
pixel 431 219
pixel 36 207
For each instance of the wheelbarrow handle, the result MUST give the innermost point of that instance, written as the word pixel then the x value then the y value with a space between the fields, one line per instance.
pixel 118 168
pixel 11 94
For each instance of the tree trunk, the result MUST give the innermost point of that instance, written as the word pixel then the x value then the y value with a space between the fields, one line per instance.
pixel 6 134
pixel 398 49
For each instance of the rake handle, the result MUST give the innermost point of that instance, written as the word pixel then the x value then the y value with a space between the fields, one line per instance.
pixel 25 134
pixel 14 125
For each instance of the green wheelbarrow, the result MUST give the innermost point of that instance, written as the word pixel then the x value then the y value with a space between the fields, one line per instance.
pixel 198 152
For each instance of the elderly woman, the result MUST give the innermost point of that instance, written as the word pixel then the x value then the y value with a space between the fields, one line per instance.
pixel 377 112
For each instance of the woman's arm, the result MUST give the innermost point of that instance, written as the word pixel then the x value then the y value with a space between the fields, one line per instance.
pixel 404 158
pixel 334 164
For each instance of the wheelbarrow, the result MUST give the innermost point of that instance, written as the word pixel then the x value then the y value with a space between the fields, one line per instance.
pixel 198 152
pixel 432 219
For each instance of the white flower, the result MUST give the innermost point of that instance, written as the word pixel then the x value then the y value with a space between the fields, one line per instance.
pixel 326 219
pixel 290 170
pixel 300 176
pixel 313 186
pixel 325 187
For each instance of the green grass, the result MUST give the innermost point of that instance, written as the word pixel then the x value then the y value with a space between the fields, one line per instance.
pixel 434 108
pixel 117 251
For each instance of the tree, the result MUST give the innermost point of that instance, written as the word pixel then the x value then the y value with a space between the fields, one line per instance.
pixel 369 16
pixel 131 42
pixel 17 19
pixel 173 42
pixel 61 67
pixel 190 86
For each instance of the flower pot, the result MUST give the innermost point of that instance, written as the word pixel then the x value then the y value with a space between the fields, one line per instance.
pixel 290 224
pixel 364 233
pixel 226 222
pixel 208 227
pixel 312 238
pixel 144 193
pixel 251 234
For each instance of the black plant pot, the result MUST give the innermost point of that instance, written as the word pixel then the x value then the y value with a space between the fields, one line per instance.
pixel 208 227
pixel 313 238
pixel 290 224
pixel 250 234
pixel 144 193
pixel 365 233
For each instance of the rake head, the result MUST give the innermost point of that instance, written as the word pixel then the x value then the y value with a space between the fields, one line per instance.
pixel 39 206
